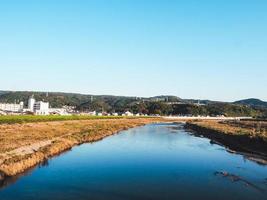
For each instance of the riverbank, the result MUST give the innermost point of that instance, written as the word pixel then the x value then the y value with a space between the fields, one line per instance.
pixel 23 146
pixel 159 158
pixel 247 138
pixel 15 119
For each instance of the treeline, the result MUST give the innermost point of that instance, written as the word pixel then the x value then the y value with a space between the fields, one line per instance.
pixel 195 110
pixel 163 108
pixel 161 105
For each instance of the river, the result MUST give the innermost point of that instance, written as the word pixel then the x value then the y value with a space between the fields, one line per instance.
pixel 157 161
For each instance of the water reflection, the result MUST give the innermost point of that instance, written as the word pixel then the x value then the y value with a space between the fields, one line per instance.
pixel 235 149
pixel 9 180
pixel 160 161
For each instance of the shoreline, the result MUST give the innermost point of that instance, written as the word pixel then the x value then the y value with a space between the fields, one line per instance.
pixel 26 156
pixel 16 164
pixel 253 148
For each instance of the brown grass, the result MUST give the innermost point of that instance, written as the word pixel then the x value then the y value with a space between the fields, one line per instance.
pixel 249 128
pixel 24 145
pixel 236 137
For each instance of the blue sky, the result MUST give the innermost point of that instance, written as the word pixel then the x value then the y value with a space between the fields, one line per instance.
pixel 193 49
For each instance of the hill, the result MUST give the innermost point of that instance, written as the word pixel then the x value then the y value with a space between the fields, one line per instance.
pixel 252 102
pixel 162 105
pixel 83 102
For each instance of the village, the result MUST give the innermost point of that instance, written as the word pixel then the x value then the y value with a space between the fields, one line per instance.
pixel 43 108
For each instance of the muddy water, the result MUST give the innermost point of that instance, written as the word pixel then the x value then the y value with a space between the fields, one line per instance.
pixel 160 161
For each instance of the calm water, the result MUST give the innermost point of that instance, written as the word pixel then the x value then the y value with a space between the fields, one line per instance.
pixel 160 161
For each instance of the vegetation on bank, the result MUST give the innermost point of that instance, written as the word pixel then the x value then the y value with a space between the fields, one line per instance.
pixel 12 119
pixel 248 138
pixel 24 145
pixel 250 128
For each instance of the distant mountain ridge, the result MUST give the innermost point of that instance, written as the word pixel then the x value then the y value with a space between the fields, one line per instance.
pixel 163 105
pixel 77 98
pixel 252 102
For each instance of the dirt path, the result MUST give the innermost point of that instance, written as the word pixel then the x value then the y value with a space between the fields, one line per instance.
pixel 29 149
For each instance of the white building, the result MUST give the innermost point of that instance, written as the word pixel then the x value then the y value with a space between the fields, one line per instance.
pixel 58 111
pixel 31 103
pixel 41 108
pixel 38 107
pixel 115 114
pixel 92 113
pixel 11 107
pixel 69 109
pixel 128 113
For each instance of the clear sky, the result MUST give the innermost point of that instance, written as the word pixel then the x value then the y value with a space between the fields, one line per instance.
pixel 204 49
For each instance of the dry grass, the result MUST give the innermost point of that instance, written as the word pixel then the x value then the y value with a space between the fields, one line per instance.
pixel 25 145
pixel 250 128
pixel 254 126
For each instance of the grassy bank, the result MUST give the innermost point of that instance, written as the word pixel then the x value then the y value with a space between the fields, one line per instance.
pixel 249 137
pixel 34 118
pixel 25 145
pixel 249 128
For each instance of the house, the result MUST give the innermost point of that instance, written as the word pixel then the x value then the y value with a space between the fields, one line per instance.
pixel 58 111
pixel 128 114
pixel 115 114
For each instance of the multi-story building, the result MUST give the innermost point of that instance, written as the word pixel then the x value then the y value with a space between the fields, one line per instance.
pixel 11 107
pixel 31 103
pixel 41 108
pixel 38 107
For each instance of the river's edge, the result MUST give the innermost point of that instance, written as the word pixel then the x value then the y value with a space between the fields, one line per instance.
pixel 238 143
pixel 251 147
pixel 19 164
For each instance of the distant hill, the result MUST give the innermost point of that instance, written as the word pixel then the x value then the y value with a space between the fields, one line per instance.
pixel 56 99
pixel 163 105
pixel 59 99
pixel 252 102
pixel 167 98
pixel 201 101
